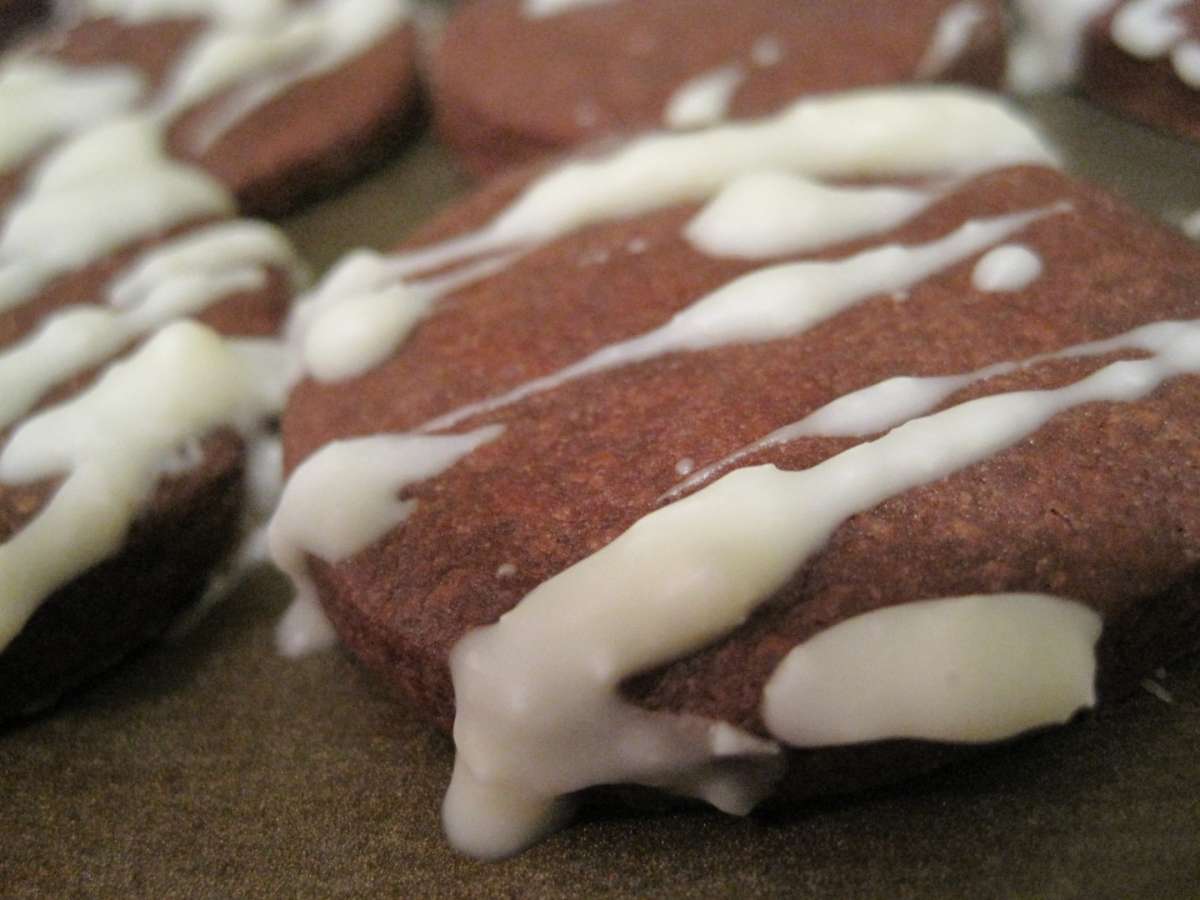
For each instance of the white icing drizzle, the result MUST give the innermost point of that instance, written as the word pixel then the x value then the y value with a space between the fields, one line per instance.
pixel 170 281
pixel 181 385
pixel 42 100
pixel 705 99
pixel 340 501
pixel 1191 225
pixel 536 716
pixel 767 51
pixel 951 37
pixel 80 206
pixel 893 401
pixel 774 302
pixel 541 9
pixel 894 132
pixel 963 669
pixel 256 50
pixel 1012 267
pixel 1047 49
pixel 1151 29
pixel 769 213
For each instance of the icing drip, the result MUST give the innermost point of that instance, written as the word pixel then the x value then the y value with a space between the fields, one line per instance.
pixel 79 207
pixel 1150 30
pixel 1048 47
pixel 775 213
pixel 1012 267
pixel 774 302
pixel 361 312
pixel 889 403
pixel 171 281
pixel 226 12
pixel 340 501
pixel 963 669
pixel 536 716
pixel 951 37
pixel 181 385
pixel 1191 225
pixel 705 99
pixel 895 132
pixel 42 100
pixel 541 9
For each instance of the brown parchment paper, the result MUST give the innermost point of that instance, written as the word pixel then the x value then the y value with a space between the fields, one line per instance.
pixel 207 766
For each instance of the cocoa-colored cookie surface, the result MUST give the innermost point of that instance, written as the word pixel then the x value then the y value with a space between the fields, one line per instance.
pixel 277 137
pixel 510 86
pixel 1098 505
pixel 1148 70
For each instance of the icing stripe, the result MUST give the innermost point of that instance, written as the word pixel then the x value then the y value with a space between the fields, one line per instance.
pixel 365 474
pixel 964 669
pixel 181 385
pixel 887 404
pixel 773 303
pixel 170 281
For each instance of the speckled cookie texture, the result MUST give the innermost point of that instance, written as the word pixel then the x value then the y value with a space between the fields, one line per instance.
pixel 1098 505
pixel 1142 60
pixel 511 84
pixel 279 134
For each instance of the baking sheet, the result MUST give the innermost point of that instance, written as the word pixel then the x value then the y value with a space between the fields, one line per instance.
pixel 207 766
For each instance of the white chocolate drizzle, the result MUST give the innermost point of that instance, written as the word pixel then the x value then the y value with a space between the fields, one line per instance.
pixel 951 37
pixel 1151 29
pixel 770 213
pixel 542 9
pixel 182 384
pixel 171 281
pixel 963 669
pixel 886 404
pixel 536 716
pixel 773 303
pixel 1012 267
pixel 1048 47
pixel 41 100
pixel 704 100
pixel 1191 225
pixel 81 205
pixel 340 501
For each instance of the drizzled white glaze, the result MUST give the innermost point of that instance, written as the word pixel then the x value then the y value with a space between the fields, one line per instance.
pixel 770 213
pixel 951 37
pixel 963 669
pixel 895 132
pixel 541 9
pixel 705 99
pixel 680 578
pixel 1047 49
pixel 256 50
pixel 772 303
pixel 80 206
pixel 42 100
pixel 887 404
pixel 1012 267
pixel 181 385
pixel 340 501
pixel 171 281
pixel 1151 29
pixel 1191 225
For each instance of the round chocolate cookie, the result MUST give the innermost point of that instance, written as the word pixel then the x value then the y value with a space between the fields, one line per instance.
pixel 518 79
pixel 281 101
pixel 140 376
pixel 1142 60
pixel 735 473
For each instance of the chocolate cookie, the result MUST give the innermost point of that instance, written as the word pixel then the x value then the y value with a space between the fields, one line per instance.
pixel 518 79
pixel 726 472
pixel 281 101
pixel 1142 60
pixel 139 376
